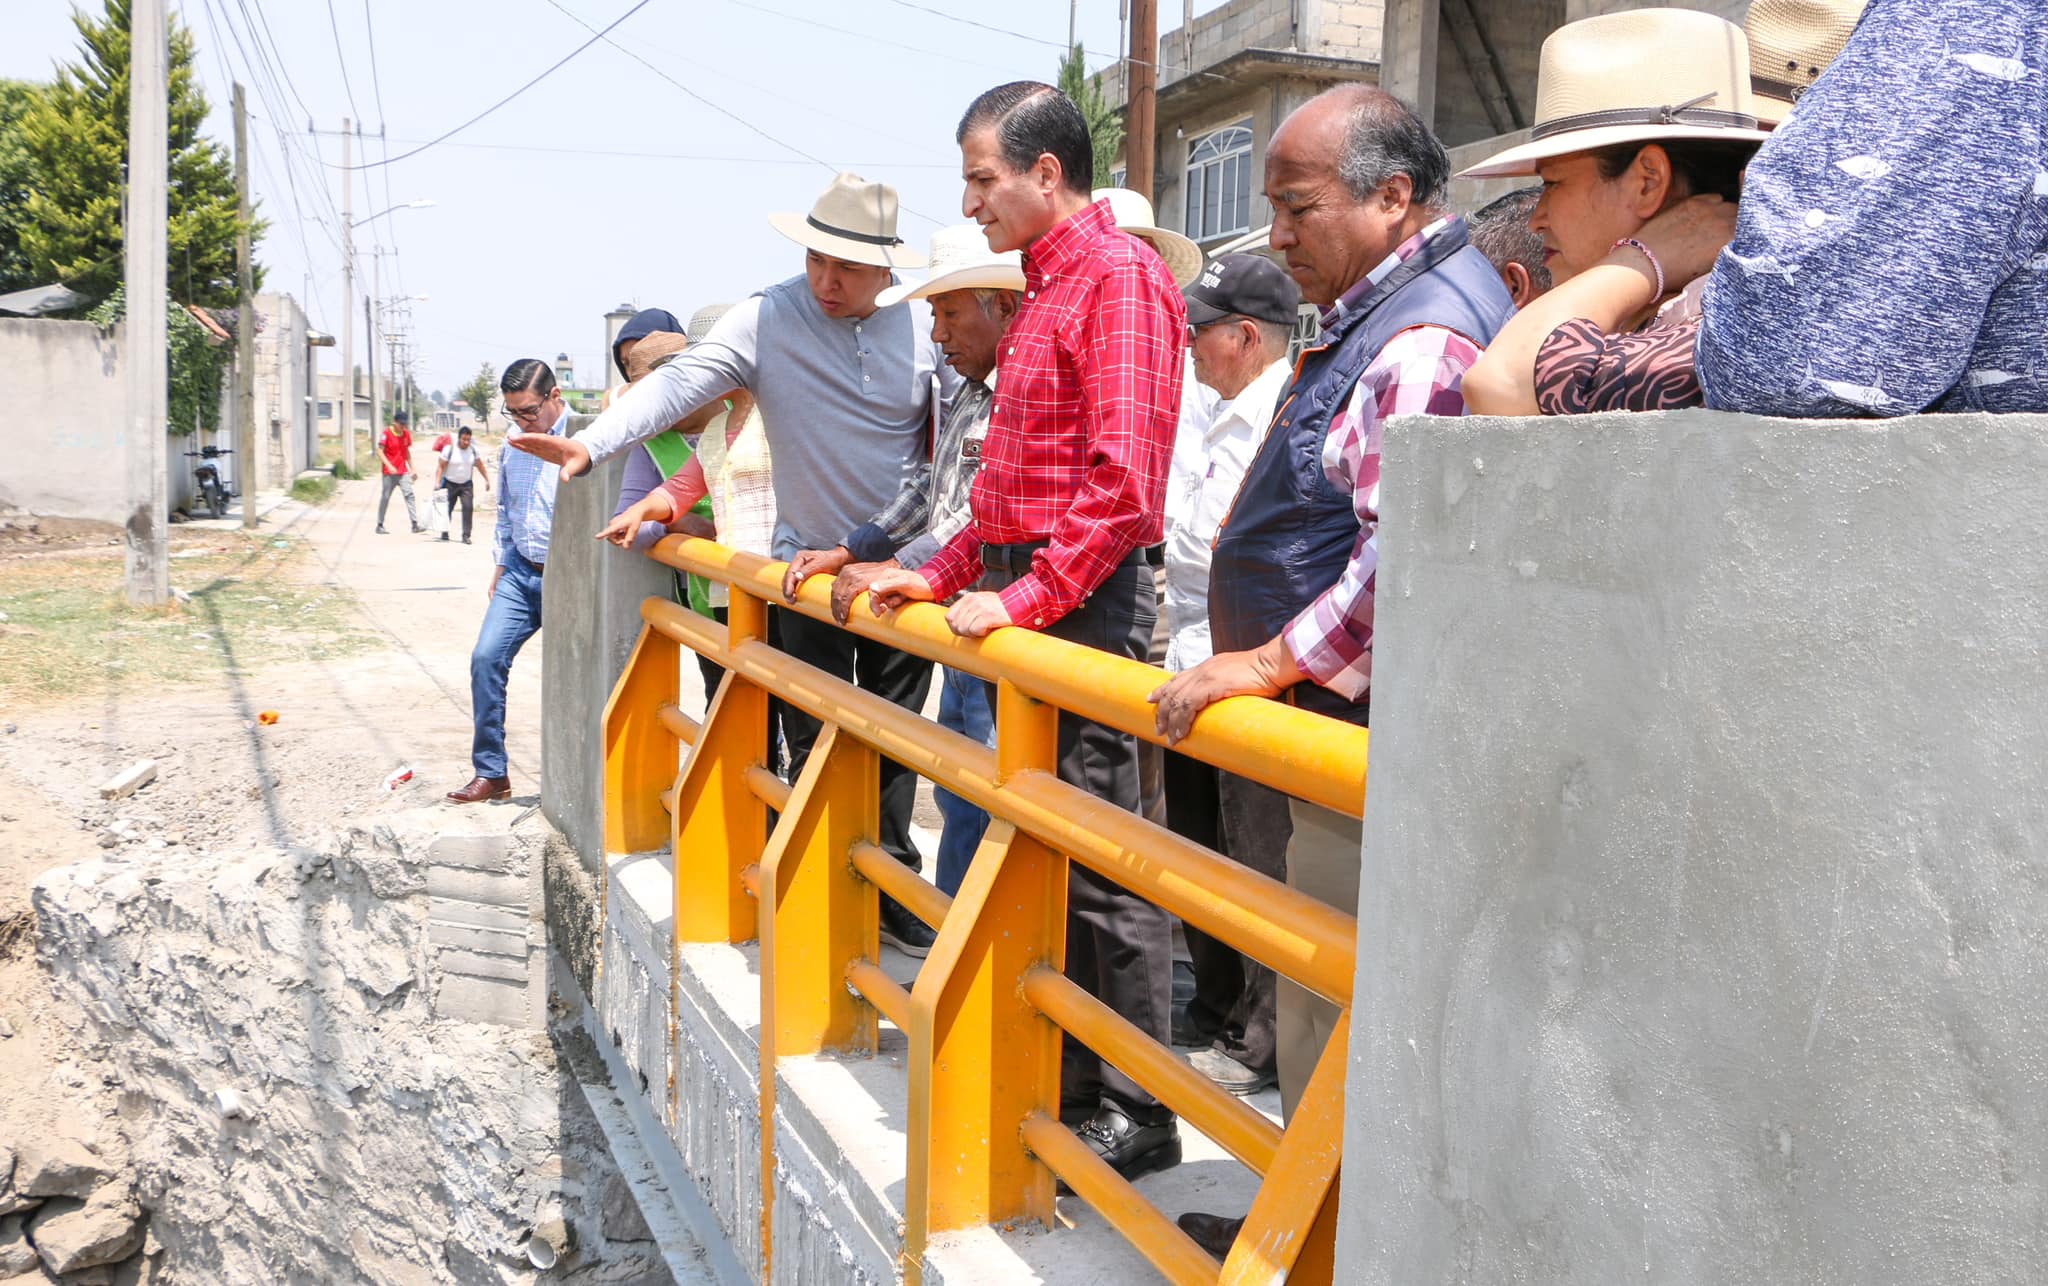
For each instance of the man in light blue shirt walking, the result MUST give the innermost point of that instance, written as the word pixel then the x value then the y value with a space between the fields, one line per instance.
pixel 526 513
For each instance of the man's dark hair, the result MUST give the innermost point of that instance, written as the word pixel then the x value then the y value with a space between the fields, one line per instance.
pixel 1500 231
pixel 1385 137
pixel 1702 165
pixel 1030 119
pixel 528 375
pixel 462 432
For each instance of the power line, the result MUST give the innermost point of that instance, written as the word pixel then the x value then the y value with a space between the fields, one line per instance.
pixel 277 55
pixel 869 36
pixel 558 64
pixel 1040 40
pixel 691 156
pixel 350 90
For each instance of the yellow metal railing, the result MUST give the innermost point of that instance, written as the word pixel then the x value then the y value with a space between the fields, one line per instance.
pixel 985 1014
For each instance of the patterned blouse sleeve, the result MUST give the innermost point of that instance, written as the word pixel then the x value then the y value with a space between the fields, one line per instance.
pixel 1580 368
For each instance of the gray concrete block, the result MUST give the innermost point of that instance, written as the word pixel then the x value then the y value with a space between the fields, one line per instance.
pixel 1700 931
pixel 477 886
pixel 478 914
pixel 476 853
pixel 480 964
pixel 482 1000
pixel 467 937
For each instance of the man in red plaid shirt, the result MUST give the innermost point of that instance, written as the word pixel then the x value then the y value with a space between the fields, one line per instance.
pixel 1072 488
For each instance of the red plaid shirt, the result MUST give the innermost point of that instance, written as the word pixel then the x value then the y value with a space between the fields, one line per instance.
pixel 1084 418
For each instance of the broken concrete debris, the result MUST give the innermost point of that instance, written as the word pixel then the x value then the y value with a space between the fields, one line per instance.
pixel 69 1233
pixel 129 780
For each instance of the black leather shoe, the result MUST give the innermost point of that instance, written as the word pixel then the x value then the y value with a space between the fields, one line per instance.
pixel 1212 1233
pixel 904 931
pixel 1189 1034
pixel 1130 1148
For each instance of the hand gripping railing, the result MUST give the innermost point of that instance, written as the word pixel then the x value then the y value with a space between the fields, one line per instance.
pixel 985 1015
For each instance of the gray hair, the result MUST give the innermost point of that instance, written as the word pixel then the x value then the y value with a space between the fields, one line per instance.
pixel 986 296
pixel 1274 338
pixel 1384 137
pixel 1500 231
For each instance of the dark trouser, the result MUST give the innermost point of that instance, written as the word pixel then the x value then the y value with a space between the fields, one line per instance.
pixel 1151 758
pixel 1119 946
pixel 1234 995
pixel 466 492
pixel 894 676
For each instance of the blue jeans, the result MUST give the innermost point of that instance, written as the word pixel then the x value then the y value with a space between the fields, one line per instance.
pixel 963 707
pixel 513 618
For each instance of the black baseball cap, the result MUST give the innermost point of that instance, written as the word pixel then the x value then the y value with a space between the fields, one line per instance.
pixel 401 417
pixel 1242 285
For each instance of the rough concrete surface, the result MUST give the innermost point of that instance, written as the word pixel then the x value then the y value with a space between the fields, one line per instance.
pixel 1706 859
pixel 371 1139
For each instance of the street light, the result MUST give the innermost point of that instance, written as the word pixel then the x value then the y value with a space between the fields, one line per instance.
pixel 403 205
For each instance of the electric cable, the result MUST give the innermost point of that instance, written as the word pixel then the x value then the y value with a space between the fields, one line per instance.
pixel 347 88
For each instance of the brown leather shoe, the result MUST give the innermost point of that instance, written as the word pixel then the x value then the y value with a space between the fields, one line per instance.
pixel 481 789
pixel 1212 1233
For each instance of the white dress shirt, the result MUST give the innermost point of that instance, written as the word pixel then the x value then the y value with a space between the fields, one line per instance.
pixel 1209 463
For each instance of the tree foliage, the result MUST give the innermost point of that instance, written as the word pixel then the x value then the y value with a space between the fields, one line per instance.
pixel 198 363
pixel 1105 127
pixel 16 181
pixel 74 135
pixel 478 392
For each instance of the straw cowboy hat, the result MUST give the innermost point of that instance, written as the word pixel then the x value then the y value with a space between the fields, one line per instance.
pixel 1134 215
pixel 1641 76
pixel 1791 42
pixel 652 349
pixel 961 260
pixel 854 220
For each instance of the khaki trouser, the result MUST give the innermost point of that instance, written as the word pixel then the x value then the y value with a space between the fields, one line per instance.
pixel 1323 859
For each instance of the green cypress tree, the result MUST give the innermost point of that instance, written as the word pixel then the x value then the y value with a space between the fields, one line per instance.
pixel 75 135
pixel 1105 127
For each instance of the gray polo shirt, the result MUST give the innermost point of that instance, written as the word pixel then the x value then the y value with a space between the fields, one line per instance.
pixel 846 404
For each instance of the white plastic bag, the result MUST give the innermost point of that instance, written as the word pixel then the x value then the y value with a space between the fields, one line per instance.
pixel 437 512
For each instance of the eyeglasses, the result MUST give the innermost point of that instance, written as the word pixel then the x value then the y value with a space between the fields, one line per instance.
pixel 1195 329
pixel 527 414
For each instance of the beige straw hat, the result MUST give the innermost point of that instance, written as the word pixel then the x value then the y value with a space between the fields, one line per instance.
pixel 1640 76
pixel 854 220
pixel 961 260
pixel 1134 215
pixel 1791 42
pixel 703 320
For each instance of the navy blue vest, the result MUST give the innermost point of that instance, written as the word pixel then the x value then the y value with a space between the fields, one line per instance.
pixel 1290 534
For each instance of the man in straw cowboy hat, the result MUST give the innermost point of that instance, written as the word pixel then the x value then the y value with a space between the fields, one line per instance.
pixel 1357 182
pixel 1072 482
pixel 974 294
pixel 845 395
pixel 1575 351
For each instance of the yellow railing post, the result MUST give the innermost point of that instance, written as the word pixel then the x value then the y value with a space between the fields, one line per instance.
pixel 639 750
pixel 818 914
pixel 720 825
pixel 1289 1234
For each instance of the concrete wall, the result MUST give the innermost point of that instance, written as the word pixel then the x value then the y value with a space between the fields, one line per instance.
pixel 283 420
pixel 71 390
pixel 592 596
pixel 1706 856
pixel 1334 28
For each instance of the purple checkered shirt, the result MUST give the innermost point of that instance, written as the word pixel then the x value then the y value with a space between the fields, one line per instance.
pixel 1420 371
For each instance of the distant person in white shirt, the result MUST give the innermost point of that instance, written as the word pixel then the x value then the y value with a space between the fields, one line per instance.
pixel 1241 315
pixel 458 461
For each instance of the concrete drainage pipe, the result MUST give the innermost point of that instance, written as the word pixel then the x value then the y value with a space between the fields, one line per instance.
pixel 548 1242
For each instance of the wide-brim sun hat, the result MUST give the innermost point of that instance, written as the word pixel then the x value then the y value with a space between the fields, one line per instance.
pixel 1791 42
pixel 1134 215
pixel 1640 76
pixel 960 260
pixel 854 220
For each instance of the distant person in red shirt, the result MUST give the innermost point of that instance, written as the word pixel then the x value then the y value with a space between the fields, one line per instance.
pixel 396 448
pixel 1072 487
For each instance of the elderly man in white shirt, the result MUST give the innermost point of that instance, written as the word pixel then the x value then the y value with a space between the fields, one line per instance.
pixel 1241 316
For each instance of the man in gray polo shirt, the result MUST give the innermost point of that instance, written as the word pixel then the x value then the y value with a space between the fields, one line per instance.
pixel 845 392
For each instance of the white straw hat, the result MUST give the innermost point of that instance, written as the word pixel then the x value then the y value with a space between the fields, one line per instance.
pixel 703 320
pixel 961 260
pixel 1639 76
pixel 1134 215
pixel 1791 42
pixel 854 220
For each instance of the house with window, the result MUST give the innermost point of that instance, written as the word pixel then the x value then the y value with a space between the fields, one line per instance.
pixel 1231 72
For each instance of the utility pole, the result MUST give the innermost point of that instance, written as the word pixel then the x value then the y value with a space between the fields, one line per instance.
pixel 245 323
pixel 377 420
pixel 144 253
pixel 348 326
pixel 1140 133
pixel 1073 16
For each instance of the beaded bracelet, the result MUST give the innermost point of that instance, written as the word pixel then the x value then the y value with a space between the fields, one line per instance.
pixel 1655 267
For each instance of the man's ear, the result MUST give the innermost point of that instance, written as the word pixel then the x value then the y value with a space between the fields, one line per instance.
pixel 1520 288
pixel 1396 195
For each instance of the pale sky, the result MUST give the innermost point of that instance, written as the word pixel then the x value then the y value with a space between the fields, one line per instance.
pixel 535 232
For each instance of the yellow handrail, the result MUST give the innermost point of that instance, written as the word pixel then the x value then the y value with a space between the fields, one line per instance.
pixel 985 1014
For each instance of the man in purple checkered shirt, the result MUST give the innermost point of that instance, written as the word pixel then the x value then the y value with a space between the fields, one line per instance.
pixel 1357 182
